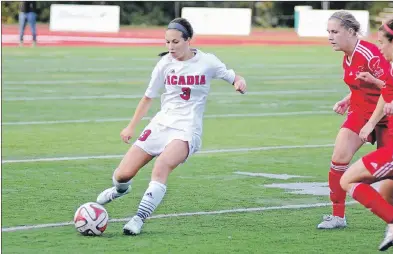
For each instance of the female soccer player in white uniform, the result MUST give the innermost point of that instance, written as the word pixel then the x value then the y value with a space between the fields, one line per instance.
pixel 175 131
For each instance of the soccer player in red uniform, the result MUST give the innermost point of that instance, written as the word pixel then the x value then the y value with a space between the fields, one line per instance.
pixel 359 56
pixel 377 165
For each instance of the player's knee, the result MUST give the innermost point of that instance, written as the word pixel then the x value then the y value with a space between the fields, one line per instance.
pixel 161 170
pixel 164 162
pixel 386 191
pixel 342 156
pixel 345 182
pixel 388 197
pixel 123 176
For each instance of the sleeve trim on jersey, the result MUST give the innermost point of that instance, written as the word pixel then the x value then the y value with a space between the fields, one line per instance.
pixel 365 52
pixel 233 74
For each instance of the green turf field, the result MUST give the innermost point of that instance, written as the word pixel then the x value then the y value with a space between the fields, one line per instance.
pixel 68 106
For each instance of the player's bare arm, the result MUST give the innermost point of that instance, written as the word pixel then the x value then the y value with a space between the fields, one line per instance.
pixel 388 109
pixel 377 115
pixel 369 78
pixel 240 84
pixel 141 111
pixel 342 106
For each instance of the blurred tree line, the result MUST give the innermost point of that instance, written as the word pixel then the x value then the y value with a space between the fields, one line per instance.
pixel 265 14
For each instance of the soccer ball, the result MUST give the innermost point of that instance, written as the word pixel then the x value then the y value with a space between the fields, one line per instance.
pixel 91 219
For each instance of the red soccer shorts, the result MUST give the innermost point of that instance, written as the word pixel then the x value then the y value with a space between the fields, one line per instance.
pixel 355 122
pixel 380 162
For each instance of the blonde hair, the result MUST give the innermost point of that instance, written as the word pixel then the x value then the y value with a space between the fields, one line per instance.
pixel 347 20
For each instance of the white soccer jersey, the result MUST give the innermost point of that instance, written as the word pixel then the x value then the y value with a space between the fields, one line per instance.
pixel 187 84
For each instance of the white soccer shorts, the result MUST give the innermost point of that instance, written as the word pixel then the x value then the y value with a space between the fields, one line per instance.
pixel 155 137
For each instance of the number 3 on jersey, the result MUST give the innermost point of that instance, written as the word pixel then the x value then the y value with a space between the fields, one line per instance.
pixel 186 93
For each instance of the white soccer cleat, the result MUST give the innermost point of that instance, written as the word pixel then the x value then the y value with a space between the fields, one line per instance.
pixel 134 226
pixel 388 240
pixel 330 222
pixel 110 194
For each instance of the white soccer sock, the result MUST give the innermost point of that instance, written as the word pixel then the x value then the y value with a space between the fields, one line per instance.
pixel 120 187
pixel 151 199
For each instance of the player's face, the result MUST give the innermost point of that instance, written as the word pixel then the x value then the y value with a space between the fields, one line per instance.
pixel 176 44
pixel 338 35
pixel 385 46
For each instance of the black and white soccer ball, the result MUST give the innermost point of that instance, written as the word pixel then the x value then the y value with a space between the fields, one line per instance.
pixel 91 219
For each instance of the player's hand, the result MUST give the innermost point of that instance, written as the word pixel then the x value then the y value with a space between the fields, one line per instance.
pixel 341 107
pixel 240 86
pixel 366 77
pixel 366 130
pixel 388 109
pixel 126 134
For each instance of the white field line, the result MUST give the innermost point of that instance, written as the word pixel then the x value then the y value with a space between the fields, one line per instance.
pixel 296 66
pixel 104 120
pixel 81 70
pixel 147 68
pixel 234 150
pixel 64 82
pixel 67 57
pixel 160 216
pixel 122 96
pixel 130 79
pixel 58 38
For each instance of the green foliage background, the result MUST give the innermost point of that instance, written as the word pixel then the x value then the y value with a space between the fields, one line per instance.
pixel 265 14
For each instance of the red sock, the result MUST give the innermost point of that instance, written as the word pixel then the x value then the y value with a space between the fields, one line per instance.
pixel 337 194
pixel 371 199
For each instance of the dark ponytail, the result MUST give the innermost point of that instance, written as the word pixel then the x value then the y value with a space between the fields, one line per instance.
pixel 387 28
pixel 182 25
pixel 163 54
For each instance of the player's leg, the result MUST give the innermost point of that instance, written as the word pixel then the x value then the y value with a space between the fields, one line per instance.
pixel 386 190
pixel 370 198
pixel 387 242
pixel 140 153
pixel 133 160
pixel 346 145
pixel 384 138
pixel 356 181
pixel 174 154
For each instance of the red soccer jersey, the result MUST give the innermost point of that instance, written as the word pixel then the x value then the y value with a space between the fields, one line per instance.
pixel 365 58
pixel 387 94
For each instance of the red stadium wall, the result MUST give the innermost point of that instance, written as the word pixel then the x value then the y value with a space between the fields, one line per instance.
pixel 150 37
